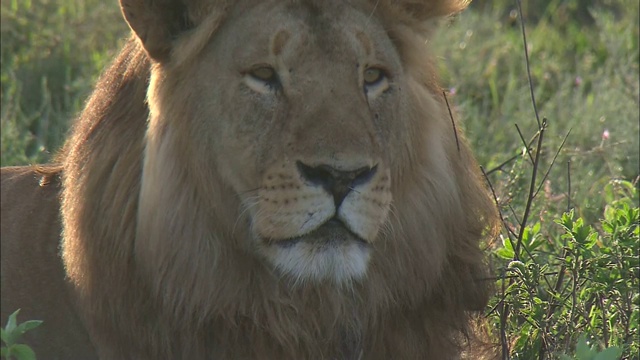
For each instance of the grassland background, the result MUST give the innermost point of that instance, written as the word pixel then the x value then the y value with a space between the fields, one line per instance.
pixel 584 65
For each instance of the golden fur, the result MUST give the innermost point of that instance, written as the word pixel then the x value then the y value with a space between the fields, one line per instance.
pixel 205 212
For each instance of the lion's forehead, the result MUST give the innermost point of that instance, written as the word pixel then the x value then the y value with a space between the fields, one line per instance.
pixel 297 32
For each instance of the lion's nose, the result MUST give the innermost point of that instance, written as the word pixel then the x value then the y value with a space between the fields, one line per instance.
pixel 337 182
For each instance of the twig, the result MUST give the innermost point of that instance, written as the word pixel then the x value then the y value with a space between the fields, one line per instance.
pixel 455 131
pixel 525 143
pixel 494 278
pixel 495 199
pixel 499 167
pixel 526 55
pixel 568 185
pixel 552 163
pixel 513 213
pixel 605 320
pixel 532 186
pixel 503 322
pixel 557 288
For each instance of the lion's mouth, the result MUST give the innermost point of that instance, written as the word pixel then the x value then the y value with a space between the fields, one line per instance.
pixel 329 252
pixel 332 233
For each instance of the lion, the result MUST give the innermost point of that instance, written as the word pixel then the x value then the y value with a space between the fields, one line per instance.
pixel 256 180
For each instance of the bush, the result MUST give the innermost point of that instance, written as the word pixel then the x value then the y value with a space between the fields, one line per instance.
pixel 10 336
pixel 582 281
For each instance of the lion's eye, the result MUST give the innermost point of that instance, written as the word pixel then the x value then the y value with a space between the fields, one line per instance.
pixel 264 73
pixel 263 79
pixel 372 76
pixel 375 81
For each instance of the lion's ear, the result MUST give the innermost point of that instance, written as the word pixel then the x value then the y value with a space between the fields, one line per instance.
pixel 156 23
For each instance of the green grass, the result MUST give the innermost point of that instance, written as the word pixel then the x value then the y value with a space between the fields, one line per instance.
pixel 573 275
pixel 585 80
pixel 52 52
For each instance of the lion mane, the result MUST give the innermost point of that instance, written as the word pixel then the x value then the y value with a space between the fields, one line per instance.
pixel 256 180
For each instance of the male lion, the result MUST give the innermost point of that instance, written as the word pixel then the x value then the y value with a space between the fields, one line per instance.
pixel 255 180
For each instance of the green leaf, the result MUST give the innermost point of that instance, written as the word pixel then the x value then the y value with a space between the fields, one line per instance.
pixel 537 300
pixel 506 251
pixel 12 332
pixel 9 334
pixel 531 237
pixel 11 323
pixel 28 325
pixel 566 221
pixel 536 242
pixel 536 228
pixel 611 353
pixel 583 350
pixel 506 242
pixel 519 266
pixel 607 227
pixel 591 240
pixel 23 352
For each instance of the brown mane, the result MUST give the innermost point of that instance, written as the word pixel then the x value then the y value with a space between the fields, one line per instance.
pixel 207 299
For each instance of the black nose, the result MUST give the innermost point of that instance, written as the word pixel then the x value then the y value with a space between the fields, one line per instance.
pixel 337 182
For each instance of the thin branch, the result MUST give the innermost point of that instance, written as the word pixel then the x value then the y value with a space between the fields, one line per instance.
pixel 526 55
pixel 532 186
pixel 503 322
pixel 494 278
pixel 495 199
pixel 513 212
pixel 455 131
pixel 552 163
pixel 553 304
pixel 499 167
pixel 605 321
pixel 524 142
pixel 568 185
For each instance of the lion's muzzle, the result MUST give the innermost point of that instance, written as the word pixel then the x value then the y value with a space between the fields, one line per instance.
pixel 319 221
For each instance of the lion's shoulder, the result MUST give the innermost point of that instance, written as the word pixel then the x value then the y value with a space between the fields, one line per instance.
pixel 26 189
pixel 32 276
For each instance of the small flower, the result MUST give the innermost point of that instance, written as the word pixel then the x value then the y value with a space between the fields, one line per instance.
pixel 578 81
pixel 452 91
pixel 605 137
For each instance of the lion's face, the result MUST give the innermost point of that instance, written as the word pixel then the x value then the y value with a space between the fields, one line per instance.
pixel 308 135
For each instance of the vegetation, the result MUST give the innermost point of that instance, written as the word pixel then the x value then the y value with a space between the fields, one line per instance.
pixel 564 169
pixel 11 335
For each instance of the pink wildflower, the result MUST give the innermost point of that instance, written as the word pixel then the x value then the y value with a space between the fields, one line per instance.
pixel 578 81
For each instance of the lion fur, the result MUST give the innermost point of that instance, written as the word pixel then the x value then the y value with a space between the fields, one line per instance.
pixel 126 285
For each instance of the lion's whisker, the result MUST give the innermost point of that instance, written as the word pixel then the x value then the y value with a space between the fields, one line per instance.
pixel 250 190
pixel 248 205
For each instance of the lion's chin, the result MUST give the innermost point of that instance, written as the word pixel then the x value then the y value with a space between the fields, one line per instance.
pixel 329 253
